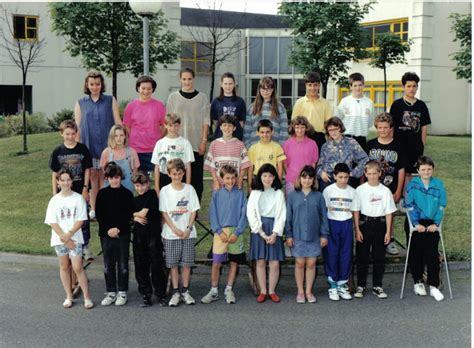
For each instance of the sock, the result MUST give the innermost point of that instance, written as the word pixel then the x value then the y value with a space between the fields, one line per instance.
pixel 214 290
pixel 228 287
pixel 175 290
pixel 184 289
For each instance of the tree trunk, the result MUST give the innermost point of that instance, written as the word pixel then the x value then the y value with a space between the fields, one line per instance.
pixel 25 143
pixel 384 87
pixel 324 84
pixel 114 82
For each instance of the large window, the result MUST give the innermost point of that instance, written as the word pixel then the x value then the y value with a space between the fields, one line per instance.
pixel 375 91
pixel 196 56
pixel 269 55
pixel 395 26
pixel 25 27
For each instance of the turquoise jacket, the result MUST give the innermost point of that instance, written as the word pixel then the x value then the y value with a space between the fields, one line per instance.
pixel 426 203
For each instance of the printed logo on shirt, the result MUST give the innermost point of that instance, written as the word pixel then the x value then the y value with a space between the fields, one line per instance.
pixel 410 121
pixel 180 209
pixel 230 110
pixel 375 199
pixel 67 214
pixel 339 204
pixel 72 162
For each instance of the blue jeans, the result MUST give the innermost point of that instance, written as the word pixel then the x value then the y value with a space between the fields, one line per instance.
pixel 116 252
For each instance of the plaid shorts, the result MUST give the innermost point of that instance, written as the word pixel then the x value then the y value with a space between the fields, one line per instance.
pixel 95 163
pixel 179 252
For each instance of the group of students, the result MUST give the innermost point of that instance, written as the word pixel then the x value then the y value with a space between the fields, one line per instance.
pixel 324 201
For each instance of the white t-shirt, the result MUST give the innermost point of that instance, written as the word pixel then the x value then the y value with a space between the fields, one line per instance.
pixel 374 201
pixel 65 211
pixel 357 114
pixel 340 202
pixel 171 148
pixel 178 205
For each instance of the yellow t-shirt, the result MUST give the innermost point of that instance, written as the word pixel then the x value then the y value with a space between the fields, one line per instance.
pixel 317 111
pixel 260 153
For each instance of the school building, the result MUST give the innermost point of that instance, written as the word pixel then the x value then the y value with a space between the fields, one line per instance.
pixel 261 43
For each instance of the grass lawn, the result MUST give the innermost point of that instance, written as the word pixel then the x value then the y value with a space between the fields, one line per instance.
pixel 25 186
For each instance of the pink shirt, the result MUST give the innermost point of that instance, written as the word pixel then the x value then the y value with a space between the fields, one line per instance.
pixel 298 154
pixel 144 119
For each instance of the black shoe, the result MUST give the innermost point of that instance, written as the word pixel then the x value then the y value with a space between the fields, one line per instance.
pixel 146 301
pixel 162 300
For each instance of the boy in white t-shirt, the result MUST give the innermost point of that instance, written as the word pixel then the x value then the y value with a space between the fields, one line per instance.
pixel 171 146
pixel 373 220
pixel 65 214
pixel 356 110
pixel 178 205
pixel 341 202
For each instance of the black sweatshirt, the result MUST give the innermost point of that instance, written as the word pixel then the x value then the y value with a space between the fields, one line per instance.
pixel 114 208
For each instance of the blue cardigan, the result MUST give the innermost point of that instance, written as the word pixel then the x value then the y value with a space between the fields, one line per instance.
pixel 425 203
pixel 306 216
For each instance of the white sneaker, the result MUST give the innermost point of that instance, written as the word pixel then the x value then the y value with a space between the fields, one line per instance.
pixel 92 215
pixel 333 295
pixel 392 249
pixel 419 289
pixel 344 293
pixel 108 299
pixel 121 298
pixel 378 291
pixel 210 297
pixel 187 298
pixel 359 292
pixel 438 295
pixel 87 253
pixel 175 299
pixel 229 296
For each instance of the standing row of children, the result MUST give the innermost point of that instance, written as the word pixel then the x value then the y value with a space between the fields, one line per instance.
pixel 265 212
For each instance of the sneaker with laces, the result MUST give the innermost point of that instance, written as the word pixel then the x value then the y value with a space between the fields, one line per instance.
pixel 229 296
pixel 333 295
pixel 378 291
pixel 419 289
pixel 187 298
pixel 162 300
pixel 359 293
pixel 87 253
pixel 108 299
pixel 146 301
pixel 344 293
pixel 436 294
pixel 121 298
pixel 175 300
pixel 392 249
pixel 210 297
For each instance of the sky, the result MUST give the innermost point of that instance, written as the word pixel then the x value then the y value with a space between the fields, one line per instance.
pixel 254 6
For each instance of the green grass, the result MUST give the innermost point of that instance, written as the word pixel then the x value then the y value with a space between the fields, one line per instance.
pixel 25 189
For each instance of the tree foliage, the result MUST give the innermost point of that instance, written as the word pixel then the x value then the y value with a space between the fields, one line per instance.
pixel 389 49
pixel 108 37
pixel 327 35
pixel 24 53
pixel 461 25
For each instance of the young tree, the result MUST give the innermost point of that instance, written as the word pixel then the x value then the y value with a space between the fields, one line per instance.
pixel 389 49
pixel 108 36
pixel 220 40
pixel 327 35
pixel 461 25
pixel 24 53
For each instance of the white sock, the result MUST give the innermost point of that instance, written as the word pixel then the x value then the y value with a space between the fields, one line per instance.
pixel 228 287
pixel 214 290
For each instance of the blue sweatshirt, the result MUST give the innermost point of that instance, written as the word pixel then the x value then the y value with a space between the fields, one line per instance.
pixel 306 216
pixel 426 203
pixel 228 209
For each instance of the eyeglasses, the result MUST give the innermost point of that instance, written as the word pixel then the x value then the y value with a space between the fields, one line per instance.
pixel 331 130
pixel 266 88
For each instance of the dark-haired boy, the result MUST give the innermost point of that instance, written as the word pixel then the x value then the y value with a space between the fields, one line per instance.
pixel 147 244
pixel 356 110
pixel 316 109
pixel 114 209
pixel 410 121
pixel 266 150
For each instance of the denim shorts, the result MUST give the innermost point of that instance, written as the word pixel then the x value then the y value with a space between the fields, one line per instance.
pixel 62 250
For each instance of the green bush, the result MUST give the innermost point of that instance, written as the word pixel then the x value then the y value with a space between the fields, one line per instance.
pixel 13 124
pixel 63 115
pixel 122 106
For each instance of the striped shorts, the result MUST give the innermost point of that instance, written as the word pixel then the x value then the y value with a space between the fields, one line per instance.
pixel 179 252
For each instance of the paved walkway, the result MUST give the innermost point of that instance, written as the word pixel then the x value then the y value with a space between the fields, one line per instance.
pixel 31 315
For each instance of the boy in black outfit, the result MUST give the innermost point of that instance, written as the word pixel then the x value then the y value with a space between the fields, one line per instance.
pixel 147 245
pixel 114 208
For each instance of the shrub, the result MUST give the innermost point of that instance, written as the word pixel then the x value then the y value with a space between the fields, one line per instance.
pixel 55 121
pixel 13 124
pixel 122 106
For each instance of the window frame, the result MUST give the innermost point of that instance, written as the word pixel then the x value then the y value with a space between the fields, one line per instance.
pixel 391 23
pixel 195 60
pixel 26 27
